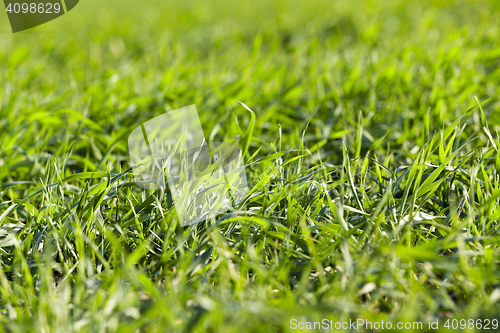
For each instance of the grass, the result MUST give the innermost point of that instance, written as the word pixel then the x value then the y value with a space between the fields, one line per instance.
pixel 372 152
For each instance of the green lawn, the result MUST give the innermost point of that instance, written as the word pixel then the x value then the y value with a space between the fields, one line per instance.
pixel 372 165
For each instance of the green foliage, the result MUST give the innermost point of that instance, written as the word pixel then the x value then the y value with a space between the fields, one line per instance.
pixel 372 147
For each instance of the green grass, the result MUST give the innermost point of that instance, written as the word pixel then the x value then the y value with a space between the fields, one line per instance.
pixel 373 165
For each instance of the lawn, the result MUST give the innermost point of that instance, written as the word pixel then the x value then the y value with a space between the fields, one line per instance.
pixel 370 133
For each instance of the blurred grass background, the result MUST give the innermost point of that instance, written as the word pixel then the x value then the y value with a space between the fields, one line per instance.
pixel 370 91
pixel 298 62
